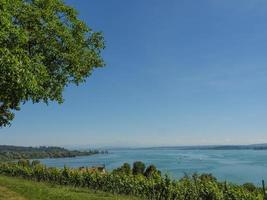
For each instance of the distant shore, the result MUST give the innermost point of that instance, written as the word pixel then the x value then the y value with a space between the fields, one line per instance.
pixel 8 152
pixel 205 147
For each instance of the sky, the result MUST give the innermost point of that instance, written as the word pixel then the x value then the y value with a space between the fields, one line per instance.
pixel 178 72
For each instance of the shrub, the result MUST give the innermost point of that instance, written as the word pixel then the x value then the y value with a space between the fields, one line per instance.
pixel 138 168
pixel 124 169
pixel 35 162
pixel 151 171
pixel 24 162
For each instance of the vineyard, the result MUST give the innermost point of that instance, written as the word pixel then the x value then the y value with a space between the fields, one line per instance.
pixel 152 187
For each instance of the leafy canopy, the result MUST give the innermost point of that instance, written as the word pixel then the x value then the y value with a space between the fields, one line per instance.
pixel 138 168
pixel 43 48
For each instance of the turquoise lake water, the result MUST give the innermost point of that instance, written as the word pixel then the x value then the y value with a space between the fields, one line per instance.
pixel 238 166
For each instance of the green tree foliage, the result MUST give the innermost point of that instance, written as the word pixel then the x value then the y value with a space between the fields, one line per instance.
pixel 16 152
pixel 24 163
pixel 43 48
pixel 124 169
pixel 151 171
pixel 138 167
pixel 35 162
pixel 208 177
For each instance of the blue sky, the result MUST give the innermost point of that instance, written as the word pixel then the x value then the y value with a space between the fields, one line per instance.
pixel 177 73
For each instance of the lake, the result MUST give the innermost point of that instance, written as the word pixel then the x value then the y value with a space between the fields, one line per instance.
pixel 238 166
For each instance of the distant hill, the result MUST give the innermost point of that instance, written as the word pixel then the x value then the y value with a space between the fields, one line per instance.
pixel 8 152
pixel 216 147
pixel 235 147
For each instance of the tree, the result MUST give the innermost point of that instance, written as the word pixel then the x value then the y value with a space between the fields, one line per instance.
pixel 44 47
pixel 35 162
pixel 151 171
pixel 124 169
pixel 24 162
pixel 138 167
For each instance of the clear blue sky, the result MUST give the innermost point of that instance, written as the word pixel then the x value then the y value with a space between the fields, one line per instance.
pixel 177 72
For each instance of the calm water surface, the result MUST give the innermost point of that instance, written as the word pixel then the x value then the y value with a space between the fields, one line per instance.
pixel 238 166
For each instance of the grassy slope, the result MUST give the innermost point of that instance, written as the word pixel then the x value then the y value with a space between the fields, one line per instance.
pixel 7 194
pixel 20 189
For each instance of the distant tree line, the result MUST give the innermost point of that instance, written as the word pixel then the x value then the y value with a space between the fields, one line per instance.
pixel 16 152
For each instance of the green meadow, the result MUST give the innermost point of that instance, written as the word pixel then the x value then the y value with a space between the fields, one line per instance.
pixel 20 189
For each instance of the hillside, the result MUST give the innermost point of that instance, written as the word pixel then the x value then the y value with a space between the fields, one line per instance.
pixel 214 147
pixel 18 152
pixel 20 189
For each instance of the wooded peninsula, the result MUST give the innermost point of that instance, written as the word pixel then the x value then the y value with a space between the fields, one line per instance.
pixel 8 152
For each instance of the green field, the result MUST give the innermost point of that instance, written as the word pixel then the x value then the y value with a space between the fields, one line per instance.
pixel 20 189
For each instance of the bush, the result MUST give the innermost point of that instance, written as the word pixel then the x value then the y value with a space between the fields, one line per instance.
pixel 35 162
pixel 24 163
pixel 124 169
pixel 207 177
pixel 138 168
pixel 151 171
